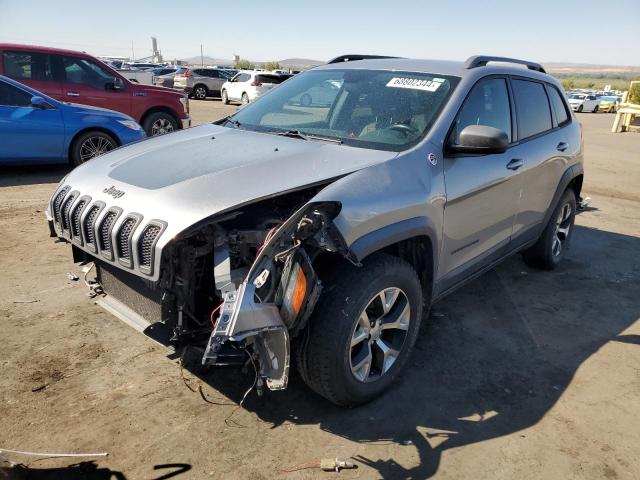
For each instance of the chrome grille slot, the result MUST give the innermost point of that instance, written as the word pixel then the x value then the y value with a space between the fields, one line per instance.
pixel 65 210
pixel 124 239
pixel 57 203
pixel 76 227
pixel 104 233
pixel 146 244
pixel 89 226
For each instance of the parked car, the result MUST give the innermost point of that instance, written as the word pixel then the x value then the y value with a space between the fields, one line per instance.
pixel 246 86
pixel 166 80
pixel 76 76
pixel 325 235
pixel 609 104
pixel 320 95
pixel 583 102
pixel 201 83
pixel 35 128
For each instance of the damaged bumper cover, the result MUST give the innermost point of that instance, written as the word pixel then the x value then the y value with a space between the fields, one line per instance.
pixel 268 325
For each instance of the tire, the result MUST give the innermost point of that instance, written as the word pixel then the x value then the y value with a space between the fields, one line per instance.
pixel 245 99
pixel 224 97
pixel 305 100
pixel 327 361
pixel 595 109
pixel 90 145
pixel 553 244
pixel 200 92
pixel 159 123
pixel 579 108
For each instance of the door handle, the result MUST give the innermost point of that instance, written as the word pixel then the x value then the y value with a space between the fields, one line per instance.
pixel 515 164
pixel 73 94
pixel 562 146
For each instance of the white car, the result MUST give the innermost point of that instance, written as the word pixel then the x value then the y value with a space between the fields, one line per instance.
pixel 246 86
pixel 581 102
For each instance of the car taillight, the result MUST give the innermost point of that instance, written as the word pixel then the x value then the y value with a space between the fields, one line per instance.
pixel 256 83
pixel 186 74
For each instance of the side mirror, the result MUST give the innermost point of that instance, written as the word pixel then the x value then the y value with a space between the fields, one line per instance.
pixel 41 103
pixel 115 85
pixel 481 139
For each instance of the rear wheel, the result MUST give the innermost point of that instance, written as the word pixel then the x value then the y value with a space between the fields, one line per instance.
pixel 363 330
pixel 245 99
pixel 90 145
pixel 159 123
pixel 200 92
pixel 225 97
pixel 553 244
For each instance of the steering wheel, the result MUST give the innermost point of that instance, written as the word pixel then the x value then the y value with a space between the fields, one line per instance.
pixel 404 128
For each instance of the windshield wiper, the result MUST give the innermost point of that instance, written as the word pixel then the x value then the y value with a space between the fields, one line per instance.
pixel 305 136
pixel 227 119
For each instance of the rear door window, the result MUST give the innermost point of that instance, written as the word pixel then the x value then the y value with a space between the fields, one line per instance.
pixel 559 107
pixel 11 96
pixel 487 104
pixel 532 105
pixel 27 66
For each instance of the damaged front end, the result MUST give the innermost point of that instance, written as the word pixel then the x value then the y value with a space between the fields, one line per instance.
pixel 275 299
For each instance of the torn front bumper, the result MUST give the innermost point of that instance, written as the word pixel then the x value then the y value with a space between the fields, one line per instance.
pixel 260 324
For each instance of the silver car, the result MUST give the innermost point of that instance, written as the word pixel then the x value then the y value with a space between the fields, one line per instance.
pixel 317 233
pixel 201 83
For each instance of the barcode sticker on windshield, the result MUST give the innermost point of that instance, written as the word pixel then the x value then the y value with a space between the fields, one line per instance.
pixel 415 83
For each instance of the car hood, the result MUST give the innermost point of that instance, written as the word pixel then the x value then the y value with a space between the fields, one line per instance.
pixel 78 109
pixel 576 100
pixel 192 174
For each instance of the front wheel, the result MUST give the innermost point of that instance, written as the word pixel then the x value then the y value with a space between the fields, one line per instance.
pixel 553 244
pixel 580 108
pixel 595 109
pixel 159 123
pixel 90 145
pixel 362 331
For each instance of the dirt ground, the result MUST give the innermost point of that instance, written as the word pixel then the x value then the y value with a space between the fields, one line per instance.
pixel 521 374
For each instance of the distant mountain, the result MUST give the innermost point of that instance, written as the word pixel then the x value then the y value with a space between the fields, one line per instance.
pixel 287 62
pixel 557 67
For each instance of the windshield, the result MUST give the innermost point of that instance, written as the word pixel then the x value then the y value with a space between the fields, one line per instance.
pixel 365 108
pixel 577 97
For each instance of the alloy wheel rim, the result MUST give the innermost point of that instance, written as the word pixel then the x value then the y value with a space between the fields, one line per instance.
pixel 200 93
pixel 561 233
pixel 379 334
pixel 94 146
pixel 161 126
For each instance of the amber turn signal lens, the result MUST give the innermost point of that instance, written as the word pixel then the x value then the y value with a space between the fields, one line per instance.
pixel 299 291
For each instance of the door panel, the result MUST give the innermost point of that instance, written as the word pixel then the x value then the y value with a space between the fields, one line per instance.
pixel 482 193
pixel 28 134
pixel 87 83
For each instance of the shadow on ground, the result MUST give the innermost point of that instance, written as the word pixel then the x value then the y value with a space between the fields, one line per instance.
pixel 32 175
pixel 492 359
pixel 87 471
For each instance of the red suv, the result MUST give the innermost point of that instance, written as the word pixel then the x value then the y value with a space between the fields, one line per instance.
pixel 77 77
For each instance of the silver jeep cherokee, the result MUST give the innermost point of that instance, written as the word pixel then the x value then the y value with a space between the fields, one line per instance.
pixel 323 230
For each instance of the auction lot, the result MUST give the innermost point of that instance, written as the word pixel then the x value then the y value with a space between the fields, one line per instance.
pixel 520 374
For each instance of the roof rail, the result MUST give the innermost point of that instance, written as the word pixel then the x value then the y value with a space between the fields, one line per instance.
pixel 482 60
pixel 351 58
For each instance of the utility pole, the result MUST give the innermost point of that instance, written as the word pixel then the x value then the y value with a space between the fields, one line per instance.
pixel 201 56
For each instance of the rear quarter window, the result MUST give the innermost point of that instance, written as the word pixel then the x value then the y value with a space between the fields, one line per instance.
pixel 269 78
pixel 532 106
pixel 559 107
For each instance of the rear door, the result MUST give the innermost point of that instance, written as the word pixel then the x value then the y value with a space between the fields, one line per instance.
pixel 545 143
pixel 89 83
pixel 482 190
pixel 34 69
pixel 27 134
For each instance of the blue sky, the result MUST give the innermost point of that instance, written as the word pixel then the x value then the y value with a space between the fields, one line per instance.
pixel 601 32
